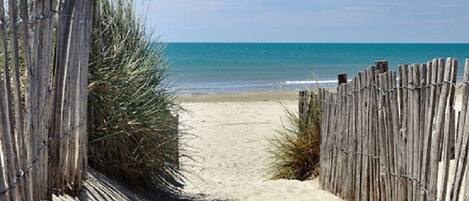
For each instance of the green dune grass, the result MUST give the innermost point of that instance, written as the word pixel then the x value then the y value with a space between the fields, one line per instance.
pixel 132 134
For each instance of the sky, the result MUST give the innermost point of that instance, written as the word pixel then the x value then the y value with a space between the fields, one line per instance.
pixel 414 21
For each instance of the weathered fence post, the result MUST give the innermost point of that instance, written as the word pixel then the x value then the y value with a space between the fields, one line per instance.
pixel 303 104
pixel 341 79
pixel 28 146
pixel 383 137
pixel 382 66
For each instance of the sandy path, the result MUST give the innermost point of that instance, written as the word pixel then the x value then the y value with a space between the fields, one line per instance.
pixel 232 153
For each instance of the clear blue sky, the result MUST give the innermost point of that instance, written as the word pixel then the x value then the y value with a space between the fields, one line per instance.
pixel 307 20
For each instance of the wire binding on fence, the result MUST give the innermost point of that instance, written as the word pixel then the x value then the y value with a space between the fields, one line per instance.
pixel 21 172
pixel 52 13
pixel 390 105
pixel 392 89
pixel 387 170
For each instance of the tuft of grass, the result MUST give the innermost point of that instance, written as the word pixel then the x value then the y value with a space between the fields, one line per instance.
pixel 133 132
pixel 295 148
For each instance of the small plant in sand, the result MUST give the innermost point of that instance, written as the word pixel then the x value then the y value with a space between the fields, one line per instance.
pixel 132 134
pixel 295 148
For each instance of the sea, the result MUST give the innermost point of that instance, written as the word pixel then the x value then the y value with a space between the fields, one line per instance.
pixel 211 68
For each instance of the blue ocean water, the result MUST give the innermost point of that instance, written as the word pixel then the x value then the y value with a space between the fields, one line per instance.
pixel 198 68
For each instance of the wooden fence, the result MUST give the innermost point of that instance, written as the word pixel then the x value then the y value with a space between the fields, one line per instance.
pixel 396 135
pixel 43 97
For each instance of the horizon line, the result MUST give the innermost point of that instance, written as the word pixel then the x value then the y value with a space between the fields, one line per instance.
pixel 309 42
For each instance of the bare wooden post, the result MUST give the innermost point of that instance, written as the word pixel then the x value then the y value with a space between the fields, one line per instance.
pixel 430 112
pixel 463 138
pixel 341 78
pixel 415 126
pixel 395 126
pixel 402 132
pixel 348 194
pixel 447 131
pixel 373 138
pixel 9 144
pixel 436 133
pixel 462 120
pixel 302 104
pixel 382 66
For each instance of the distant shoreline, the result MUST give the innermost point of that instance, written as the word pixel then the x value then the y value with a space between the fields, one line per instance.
pixel 257 96
pixel 292 42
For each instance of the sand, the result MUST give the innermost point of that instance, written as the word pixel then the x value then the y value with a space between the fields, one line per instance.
pixel 242 97
pixel 98 187
pixel 231 148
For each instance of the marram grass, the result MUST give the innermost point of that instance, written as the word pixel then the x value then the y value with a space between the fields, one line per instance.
pixel 131 126
pixel 295 148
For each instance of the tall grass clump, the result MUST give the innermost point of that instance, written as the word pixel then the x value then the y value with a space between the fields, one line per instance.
pixel 295 148
pixel 132 131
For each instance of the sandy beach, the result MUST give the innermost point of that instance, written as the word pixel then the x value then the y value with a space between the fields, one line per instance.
pixel 231 151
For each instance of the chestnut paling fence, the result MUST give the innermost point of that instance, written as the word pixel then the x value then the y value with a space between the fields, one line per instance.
pixel 395 135
pixel 43 97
